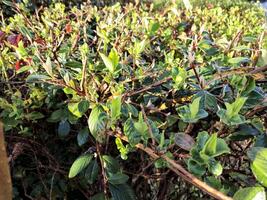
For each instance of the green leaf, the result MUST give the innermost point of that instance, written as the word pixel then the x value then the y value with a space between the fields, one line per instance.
pixel 238 60
pixel 63 128
pixel 9 3
pixel 83 106
pixel 122 192
pixel 230 116
pixel 83 136
pixel 92 172
pixel 140 126
pixel 237 105
pixel 57 115
pixel 111 164
pixel 202 138
pixel 118 178
pixel 213 182
pixel 97 123
pixel 258 156
pixel 194 107
pixel 37 77
pixel 123 150
pixel 84 49
pixel 244 132
pixel 192 113
pixel 108 62
pixel 112 61
pixel 248 87
pixel 221 147
pixel 250 193
pixel 215 167
pixel 214 147
pixel 196 168
pixel 74 109
pixel 179 76
pixel 79 164
pixel 210 146
pixel 34 116
pixel 129 130
pixel 114 57
pixel 208 100
pixel 21 51
pixel 154 26
pixel 48 66
pixel 115 108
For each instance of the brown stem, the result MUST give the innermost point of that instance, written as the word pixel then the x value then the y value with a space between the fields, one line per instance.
pixel 149 87
pixel 179 170
pixel 5 180
pixel 103 171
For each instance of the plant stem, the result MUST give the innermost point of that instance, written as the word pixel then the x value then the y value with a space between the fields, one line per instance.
pixel 179 170
pixel 103 171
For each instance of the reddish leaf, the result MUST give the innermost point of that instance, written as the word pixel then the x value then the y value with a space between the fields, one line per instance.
pixel 39 41
pixel 19 37
pixel 68 28
pixel 14 39
pixel 17 65
pixel 184 141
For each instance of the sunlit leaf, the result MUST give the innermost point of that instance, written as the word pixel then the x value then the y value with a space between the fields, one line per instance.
pixel 79 164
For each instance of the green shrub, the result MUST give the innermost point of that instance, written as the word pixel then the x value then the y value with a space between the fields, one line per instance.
pixel 81 87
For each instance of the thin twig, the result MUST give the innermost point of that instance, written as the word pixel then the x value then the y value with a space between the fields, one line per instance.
pixel 179 170
pixel 146 88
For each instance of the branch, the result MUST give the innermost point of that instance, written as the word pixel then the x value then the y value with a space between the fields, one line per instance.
pixel 146 88
pixel 179 170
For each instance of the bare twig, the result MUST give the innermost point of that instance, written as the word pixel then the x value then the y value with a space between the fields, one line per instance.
pixel 146 88
pixel 179 170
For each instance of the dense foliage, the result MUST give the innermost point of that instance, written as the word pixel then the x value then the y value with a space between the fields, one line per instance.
pixel 101 102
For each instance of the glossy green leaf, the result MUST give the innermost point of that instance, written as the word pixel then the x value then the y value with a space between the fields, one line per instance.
pixel 210 147
pixel 74 109
pixel 37 77
pixel 194 107
pixel 118 178
pixel 179 76
pixel 79 164
pixel 258 157
pixel 108 62
pixel 215 167
pixel 63 128
pixel 192 113
pixel 122 192
pixel 130 131
pixel 231 116
pixel 114 57
pixel 238 60
pixel 115 108
pixel 123 150
pixel 111 164
pixel 250 193
pixel 83 136
pixel 92 172
pixel 196 168
pixel 213 182
pixel 97 123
